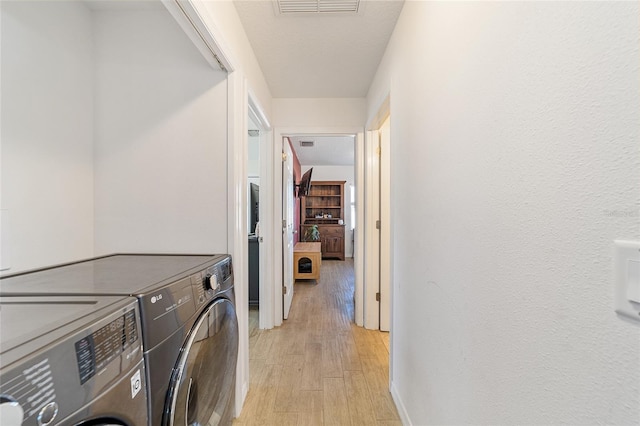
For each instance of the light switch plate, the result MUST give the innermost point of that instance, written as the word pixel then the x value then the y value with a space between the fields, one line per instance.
pixel 626 268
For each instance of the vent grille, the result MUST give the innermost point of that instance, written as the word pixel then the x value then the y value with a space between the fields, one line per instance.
pixel 306 143
pixel 287 7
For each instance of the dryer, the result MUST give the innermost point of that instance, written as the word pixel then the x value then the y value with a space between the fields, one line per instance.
pixel 188 321
pixel 71 360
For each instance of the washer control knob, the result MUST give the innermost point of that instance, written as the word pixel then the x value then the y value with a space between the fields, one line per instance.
pixel 11 413
pixel 211 282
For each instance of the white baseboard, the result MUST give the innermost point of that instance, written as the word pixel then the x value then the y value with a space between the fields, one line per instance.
pixel 402 411
pixel 241 398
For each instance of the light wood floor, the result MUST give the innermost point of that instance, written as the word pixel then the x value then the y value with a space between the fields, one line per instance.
pixel 318 368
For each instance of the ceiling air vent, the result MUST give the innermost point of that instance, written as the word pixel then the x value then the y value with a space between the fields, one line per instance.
pixel 306 143
pixel 286 7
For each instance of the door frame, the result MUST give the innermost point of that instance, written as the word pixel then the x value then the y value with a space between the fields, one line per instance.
pixel 373 124
pixel 371 232
pixel 240 101
pixel 287 226
pixel 266 297
pixel 372 213
pixel 275 246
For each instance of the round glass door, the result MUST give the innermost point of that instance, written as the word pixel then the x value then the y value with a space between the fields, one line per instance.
pixel 202 385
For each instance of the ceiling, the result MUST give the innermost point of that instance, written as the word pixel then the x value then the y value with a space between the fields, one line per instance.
pixel 319 55
pixel 328 150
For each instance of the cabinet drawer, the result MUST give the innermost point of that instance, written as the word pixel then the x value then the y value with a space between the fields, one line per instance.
pixel 331 231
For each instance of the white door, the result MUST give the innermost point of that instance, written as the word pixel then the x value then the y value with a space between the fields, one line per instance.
pixel 377 256
pixel 287 228
pixel 385 229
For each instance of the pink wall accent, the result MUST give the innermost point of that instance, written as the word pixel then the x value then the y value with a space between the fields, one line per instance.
pixel 297 174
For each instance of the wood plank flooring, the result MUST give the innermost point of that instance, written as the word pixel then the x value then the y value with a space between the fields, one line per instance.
pixel 319 368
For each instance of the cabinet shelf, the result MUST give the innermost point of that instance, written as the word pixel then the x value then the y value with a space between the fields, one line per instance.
pixel 326 197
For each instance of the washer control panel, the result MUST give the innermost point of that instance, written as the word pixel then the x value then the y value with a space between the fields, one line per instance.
pixel 47 387
pixel 217 278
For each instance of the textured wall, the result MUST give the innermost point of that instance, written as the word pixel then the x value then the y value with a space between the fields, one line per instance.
pixel 515 166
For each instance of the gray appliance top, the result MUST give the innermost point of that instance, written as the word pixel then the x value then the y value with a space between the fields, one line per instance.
pixel 118 274
pixel 60 354
pixel 30 323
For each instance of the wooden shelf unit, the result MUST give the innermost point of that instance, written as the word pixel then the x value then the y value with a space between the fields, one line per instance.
pixel 325 198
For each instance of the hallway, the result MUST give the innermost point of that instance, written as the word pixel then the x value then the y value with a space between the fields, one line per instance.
pixel 319 367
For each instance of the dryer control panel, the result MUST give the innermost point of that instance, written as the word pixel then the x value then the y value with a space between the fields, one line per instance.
pixel 99 348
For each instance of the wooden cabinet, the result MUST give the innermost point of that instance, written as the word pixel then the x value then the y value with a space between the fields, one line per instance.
pixel 324 206
pixel 331 240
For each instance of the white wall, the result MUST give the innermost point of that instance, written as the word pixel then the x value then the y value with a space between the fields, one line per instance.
pixel 311 112
pixel 132 82
pixel 47 133
pixel 161 159
pixel 514 137
pixel 345 173
pixel 223 20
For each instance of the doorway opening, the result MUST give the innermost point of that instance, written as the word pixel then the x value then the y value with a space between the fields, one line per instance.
pixel 327 213
pixel 253 218
pixel 258 215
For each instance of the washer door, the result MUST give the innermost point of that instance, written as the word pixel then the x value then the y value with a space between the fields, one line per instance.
pixel 202 385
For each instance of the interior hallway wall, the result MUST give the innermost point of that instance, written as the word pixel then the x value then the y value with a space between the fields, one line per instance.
pixel 47 133
pixel 319 112
pixel 514 167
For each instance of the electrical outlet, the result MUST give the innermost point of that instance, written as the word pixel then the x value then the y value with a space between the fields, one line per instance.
pixel 626 267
